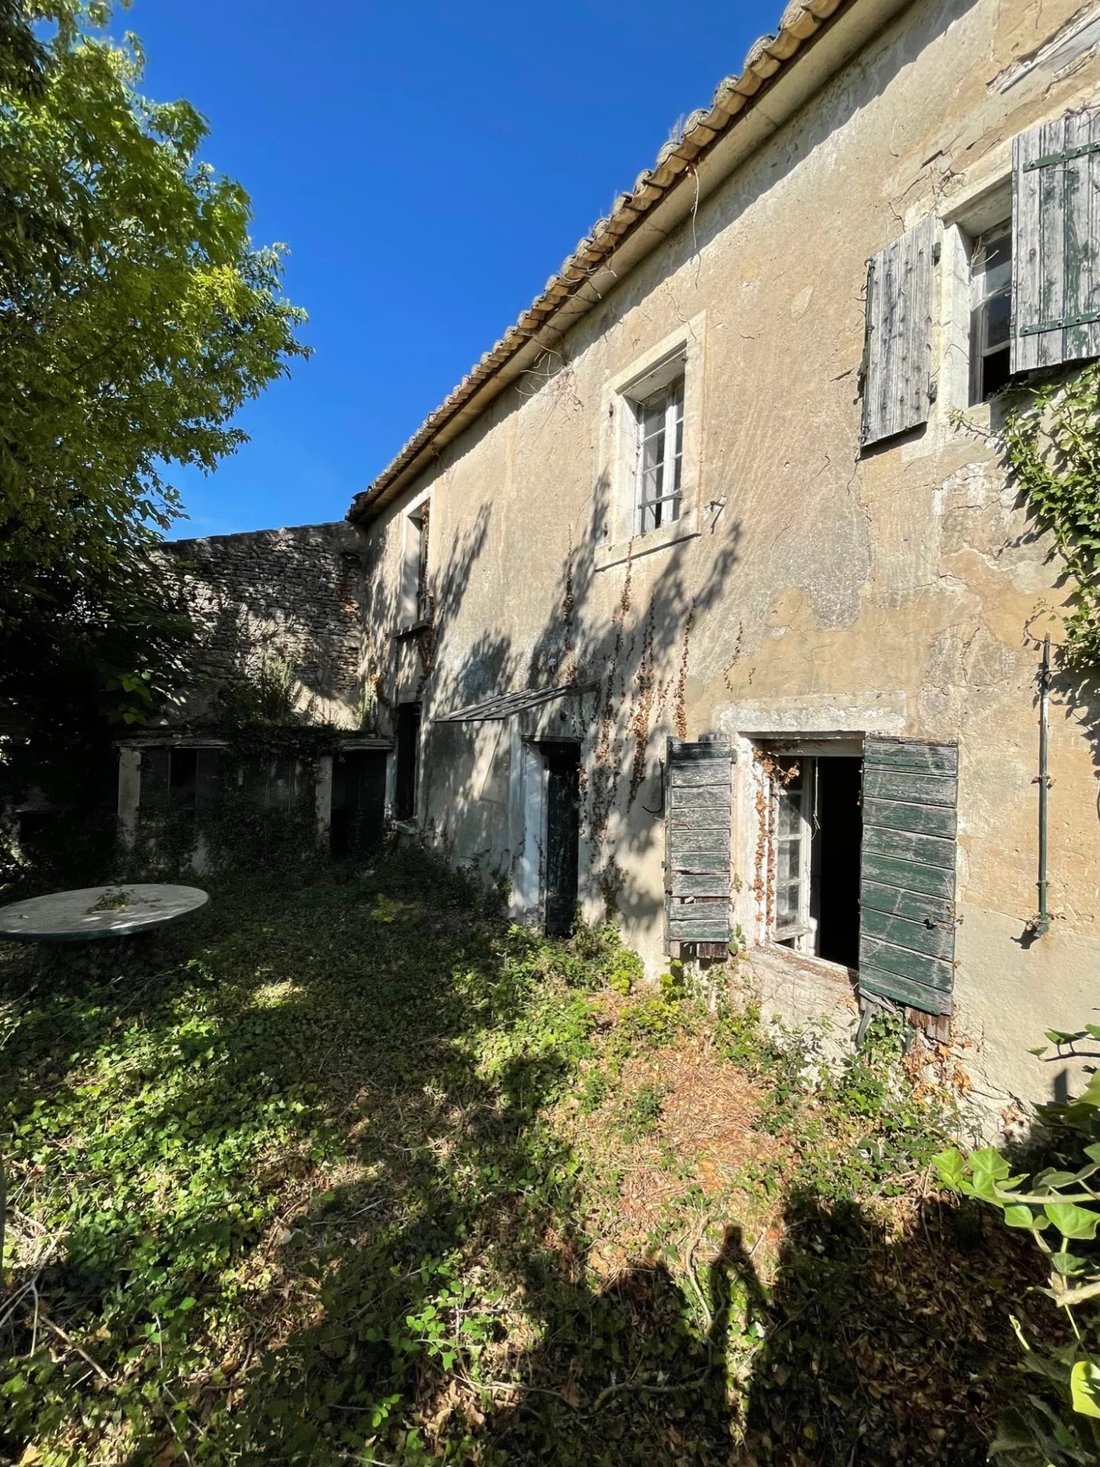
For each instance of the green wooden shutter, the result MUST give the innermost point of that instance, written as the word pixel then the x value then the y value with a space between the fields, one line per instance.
pixel 907 888
pixel 155 776
pixel 698 873
pixel 1056 242
pixel 897 366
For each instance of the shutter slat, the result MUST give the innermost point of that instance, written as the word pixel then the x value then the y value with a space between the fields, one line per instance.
pixel 697 836
pixel 687 883
pixel 917 818
pixel 699 797
pixel 934 939
pixel 1052 237
pixel 1082 246
pixel 897 902
pixel 1055 242
pixel 925 789
pixel 923 849
pixel 907 888
pixel 909 876
pixel 1026 262
pixel 903 990
pixel 898 367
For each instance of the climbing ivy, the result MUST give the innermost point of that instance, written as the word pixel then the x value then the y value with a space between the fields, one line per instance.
pixel 1052 448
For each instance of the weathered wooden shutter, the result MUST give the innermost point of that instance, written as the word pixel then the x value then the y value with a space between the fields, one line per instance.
pixel 897 364
pixel 155 776
pixel 907 889
pixel 698 874
pixel 1056 242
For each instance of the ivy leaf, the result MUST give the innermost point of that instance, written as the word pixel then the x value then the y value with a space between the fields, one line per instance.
pixel 951 1169
pixel 1018 1216
pixel 1084 1386
pixel 1072 1221
pixel 1067 1263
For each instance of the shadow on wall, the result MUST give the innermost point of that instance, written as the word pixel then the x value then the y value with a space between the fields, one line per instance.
pixel 632 651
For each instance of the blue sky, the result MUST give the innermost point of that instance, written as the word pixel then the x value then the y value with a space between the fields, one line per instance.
pixel 395 148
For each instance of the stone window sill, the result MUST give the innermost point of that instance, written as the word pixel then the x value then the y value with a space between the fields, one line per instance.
pixel 679 530
pixel 412 630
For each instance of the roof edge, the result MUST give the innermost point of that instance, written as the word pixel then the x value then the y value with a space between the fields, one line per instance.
pixel 769 58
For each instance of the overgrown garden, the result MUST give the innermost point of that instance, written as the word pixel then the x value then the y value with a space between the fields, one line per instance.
pixel 359 1173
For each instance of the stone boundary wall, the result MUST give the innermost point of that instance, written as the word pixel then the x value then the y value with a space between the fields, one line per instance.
pixel 292 593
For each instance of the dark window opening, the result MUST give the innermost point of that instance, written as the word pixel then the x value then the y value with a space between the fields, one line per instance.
pixel 990 312
pixel 817 834
pixel 407 755
pixel 563 803
pixel 183 781
pixel 358 801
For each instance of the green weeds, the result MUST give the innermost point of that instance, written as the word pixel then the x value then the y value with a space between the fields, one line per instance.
pixel 363 1174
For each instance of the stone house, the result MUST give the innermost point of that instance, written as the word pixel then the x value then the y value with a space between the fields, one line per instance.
pixel 704 598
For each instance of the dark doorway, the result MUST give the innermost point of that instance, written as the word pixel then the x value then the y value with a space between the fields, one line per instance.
pixel 837 849
pixel 407 755
pixel 358 801
pixel 563 803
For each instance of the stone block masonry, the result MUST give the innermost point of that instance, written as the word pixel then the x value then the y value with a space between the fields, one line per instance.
pixel 293 594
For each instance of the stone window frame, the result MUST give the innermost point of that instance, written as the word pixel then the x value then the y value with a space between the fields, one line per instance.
pixel 415 565
pixel 980 211
pixel 681 353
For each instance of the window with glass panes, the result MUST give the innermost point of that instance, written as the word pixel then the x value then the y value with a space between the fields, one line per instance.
pixel 990 311
pixel 793 835
pixel 660 456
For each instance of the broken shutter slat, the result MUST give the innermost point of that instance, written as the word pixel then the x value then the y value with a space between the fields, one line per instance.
pixel 897 376
pixel 155 776
pixel 698 803
pixel 907 890
pixel 1056 242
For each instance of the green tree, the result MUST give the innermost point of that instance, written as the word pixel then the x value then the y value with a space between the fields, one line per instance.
pixel 136 317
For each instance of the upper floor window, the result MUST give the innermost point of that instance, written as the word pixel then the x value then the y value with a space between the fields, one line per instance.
pixel 660 455
pixel 650 469
pixel 416 597
pixel 990 311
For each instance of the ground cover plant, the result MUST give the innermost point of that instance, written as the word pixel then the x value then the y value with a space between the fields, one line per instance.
pixel 359 1173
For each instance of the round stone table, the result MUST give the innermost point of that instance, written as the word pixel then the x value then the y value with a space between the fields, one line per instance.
pixel 98 911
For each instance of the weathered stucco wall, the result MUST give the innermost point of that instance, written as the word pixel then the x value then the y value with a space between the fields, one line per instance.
pixel 292 597
pixel 894 591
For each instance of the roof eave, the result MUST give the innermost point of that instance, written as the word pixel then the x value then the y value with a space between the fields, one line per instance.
pixel 714 142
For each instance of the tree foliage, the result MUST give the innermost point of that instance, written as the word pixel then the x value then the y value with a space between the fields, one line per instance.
pixel 136 317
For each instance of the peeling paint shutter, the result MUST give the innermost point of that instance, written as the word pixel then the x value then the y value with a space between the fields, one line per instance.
pixel 698 874
pixel 1056 242
pixel 907 889
pixel 897 367
pixel 155 776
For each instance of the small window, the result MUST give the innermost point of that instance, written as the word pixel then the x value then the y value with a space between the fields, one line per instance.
pixel 415 596
pixel 660 456
pixel 990 311
pixel 407 755
pixel 423 604
pixel 184 781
